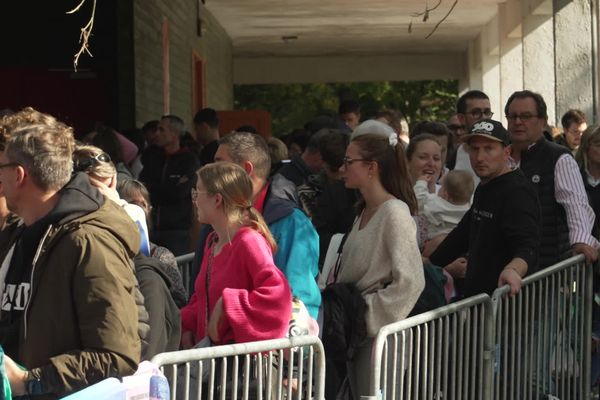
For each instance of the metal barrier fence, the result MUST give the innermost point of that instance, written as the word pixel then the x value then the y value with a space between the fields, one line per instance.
pixel 184 262
pixel 543 335
pixel 291 369
pixel 534 345
pixel 439 354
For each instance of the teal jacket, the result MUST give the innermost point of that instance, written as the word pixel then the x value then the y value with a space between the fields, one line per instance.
pixel 297 256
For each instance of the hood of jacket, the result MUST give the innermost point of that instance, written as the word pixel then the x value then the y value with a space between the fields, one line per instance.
pixel 80 203
pixel 143 262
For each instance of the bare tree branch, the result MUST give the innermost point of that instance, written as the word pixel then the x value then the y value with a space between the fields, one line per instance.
pixel 76 8
pixel 442 20
pixel 427 10
pixel 85 34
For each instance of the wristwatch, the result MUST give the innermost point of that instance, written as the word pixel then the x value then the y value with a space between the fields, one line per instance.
pixel 33 386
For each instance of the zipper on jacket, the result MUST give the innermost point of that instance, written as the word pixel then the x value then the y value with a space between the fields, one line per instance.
pixel 34 262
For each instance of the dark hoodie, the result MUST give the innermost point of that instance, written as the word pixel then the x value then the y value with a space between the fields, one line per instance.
pixel 164 319
pixel 79 323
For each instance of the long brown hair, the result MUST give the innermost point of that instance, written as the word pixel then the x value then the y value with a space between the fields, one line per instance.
pixel 592 133
pixel 393 167
pixel 233 183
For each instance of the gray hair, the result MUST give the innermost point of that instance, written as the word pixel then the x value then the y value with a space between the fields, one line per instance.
pixel 244 146
pixel 42 145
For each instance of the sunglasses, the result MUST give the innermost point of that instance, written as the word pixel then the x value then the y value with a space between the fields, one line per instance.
pixel 84 164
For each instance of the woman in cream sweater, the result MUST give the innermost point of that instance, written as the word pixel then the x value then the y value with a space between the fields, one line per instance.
pixel 380 256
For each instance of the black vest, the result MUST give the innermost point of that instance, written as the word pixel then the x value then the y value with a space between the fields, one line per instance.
pixel 538 164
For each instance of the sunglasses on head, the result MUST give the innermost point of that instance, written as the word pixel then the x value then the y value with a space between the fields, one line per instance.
pixel 84 164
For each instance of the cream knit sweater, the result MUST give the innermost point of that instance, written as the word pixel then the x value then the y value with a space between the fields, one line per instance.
pixel 384 263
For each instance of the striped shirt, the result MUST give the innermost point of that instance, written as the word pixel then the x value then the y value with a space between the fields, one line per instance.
pixel 570 193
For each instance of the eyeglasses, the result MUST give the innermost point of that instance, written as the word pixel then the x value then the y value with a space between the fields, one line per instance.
pixel 196 193
pixel 348 161
pixel 8 164
pixel 478 113
pixel 84 164
pixel 523 117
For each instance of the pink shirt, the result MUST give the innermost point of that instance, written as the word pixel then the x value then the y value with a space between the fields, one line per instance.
pixel 129 149
pixel 256 295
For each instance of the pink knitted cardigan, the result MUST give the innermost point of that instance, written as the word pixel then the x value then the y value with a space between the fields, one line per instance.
pixel 256 294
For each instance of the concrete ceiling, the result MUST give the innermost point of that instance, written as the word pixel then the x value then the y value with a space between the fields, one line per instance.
pixel 346 27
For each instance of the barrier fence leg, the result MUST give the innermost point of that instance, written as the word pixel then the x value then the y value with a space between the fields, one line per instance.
pixel 489 349
pixel 588 272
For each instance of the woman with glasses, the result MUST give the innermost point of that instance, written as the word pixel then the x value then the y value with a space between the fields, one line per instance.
pixel 380 256
pixel 240 295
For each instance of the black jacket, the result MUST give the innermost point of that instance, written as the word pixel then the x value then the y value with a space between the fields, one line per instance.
pixel 335 212
pixel 170 180
pixel 296 171
pixel 344 325
pixel 164 318
pixel 344 330
pixel 503 223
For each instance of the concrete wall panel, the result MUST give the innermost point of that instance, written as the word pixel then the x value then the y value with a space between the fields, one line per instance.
pixel 490 64
pixel 269 70
pixel 538 59
pixel 214 46
pixel 574 69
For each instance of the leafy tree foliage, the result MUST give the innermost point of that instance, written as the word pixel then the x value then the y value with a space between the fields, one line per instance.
pixel 292 105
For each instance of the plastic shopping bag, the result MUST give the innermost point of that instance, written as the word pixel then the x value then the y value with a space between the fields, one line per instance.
pixel 5 392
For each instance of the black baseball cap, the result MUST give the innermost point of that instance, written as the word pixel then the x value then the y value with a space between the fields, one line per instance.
pixel 489 129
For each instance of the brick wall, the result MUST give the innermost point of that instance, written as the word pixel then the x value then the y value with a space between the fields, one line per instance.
pixel 214 46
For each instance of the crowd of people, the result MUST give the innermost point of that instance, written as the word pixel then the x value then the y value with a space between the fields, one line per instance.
pixel 90 231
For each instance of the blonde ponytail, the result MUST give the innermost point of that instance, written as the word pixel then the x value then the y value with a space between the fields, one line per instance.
pixel 257 222
pixel 233 183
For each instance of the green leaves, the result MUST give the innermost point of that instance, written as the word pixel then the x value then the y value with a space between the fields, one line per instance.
pixel 292 105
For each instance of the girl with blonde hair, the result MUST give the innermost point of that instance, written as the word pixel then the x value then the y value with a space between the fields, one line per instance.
pixel 240 295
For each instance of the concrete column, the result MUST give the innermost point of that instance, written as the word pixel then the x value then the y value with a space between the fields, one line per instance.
pixel 474 71
pixel 511 70
pixel 511 51
pixel 490 64
pixel 538 54
pixel 573 35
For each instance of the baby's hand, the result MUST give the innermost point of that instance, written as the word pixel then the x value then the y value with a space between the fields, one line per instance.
pixel 427 178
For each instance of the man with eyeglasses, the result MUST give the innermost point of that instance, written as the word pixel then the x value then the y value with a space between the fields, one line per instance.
pixel 567 218
pixel 574 124
pixel 472 107
pixel 68 311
